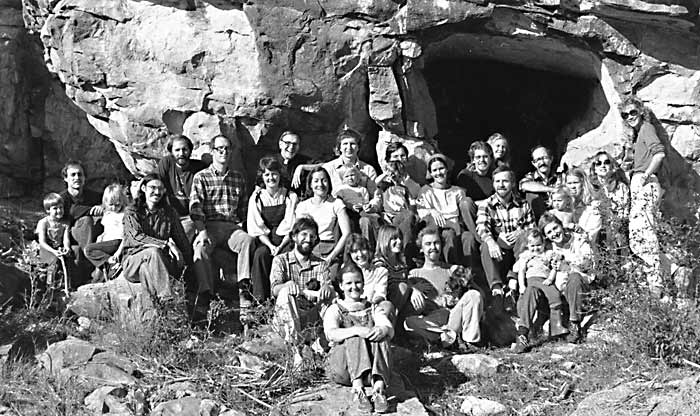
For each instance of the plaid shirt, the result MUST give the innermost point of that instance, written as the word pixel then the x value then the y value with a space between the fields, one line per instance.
pixel 286 267
pixel 494 217
pixel 218 196
pixel 535 176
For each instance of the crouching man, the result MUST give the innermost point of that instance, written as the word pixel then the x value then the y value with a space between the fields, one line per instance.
pixel 300 282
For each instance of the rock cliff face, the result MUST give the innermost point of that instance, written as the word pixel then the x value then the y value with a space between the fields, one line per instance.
pixel 40 128
pixel 253 69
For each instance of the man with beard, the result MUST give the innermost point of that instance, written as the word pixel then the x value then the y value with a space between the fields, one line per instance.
pixel 177 170
pixel 300 282
pixel 537 185
pixel 79 207
pixel 501 224
pixel 476 180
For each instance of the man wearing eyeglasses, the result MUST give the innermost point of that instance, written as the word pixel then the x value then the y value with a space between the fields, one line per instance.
pixel 293 161
pixel 218 205
pixel 537 184
pixel 177 171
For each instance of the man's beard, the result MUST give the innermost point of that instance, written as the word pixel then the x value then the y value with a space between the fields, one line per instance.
pixel 305 248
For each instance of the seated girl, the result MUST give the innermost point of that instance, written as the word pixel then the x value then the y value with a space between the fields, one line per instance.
pixel 105 252
pixel 357 250
pixel 360 333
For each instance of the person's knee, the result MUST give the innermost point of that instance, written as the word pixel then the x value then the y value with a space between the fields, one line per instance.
pixel 472 297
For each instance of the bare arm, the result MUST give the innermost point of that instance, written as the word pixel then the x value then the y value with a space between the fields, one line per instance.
pixel 535 187
pixel 344 223
pixel 655 164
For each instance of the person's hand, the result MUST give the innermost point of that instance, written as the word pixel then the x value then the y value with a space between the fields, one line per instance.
pixel 357 207
pixel 644 177
pixel 292 288
pixel 362 331
pixel 377 334
pixel 548 281
pixel 522 289
pixel 509 238
pixel 273 249
pixel 325 293
pixel 494 250
pixel 296 177
pixel 439 219
pixel 417 300
pixel 368 208
pixel 62 251
pixel 202 238
pixel 328 259
pixel 113 259
pixel 96 211
pixel 497 291
pixel 177 254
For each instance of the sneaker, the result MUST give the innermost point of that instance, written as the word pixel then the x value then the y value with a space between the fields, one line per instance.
pixel 381 405
pixel 114 271
pixel 360 398
pixel 522 345
pixel 574 336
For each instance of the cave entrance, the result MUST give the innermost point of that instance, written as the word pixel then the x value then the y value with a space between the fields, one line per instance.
pixel 534 90
pixel 475 98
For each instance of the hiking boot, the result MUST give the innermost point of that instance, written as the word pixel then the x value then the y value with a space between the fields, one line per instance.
pixel 360 398
pixel 556 326
pixel 575 335
pixel 522 344
pixel 381 405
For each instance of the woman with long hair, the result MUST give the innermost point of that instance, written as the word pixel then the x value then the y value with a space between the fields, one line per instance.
pixel 644 154
pixel 270 219
pixel 358 251
pixel 609 184
pixel 155 245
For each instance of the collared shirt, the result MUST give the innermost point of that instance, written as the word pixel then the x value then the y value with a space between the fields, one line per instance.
pixel 494 217
pixel 178 181
pixel 261 198
pixel 335 167
pixel 286 267
pixel 535 176
pixel 143 227
pixel 75 208
pixel 445 201
pixel 645 147
pixel 218 196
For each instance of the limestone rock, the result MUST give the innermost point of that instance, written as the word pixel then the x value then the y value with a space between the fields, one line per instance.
pixel 116 299
pixel 187 406
pixel 475 364
pixel 334 400
pixel 107 399
pixel 679 397
pixel 384 100
pixel 474 406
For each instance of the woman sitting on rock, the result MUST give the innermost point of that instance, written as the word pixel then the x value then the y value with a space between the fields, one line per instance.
pixel 585 209
pixel 270 219
pixel 155 245
pixel 329 213
pixel 360 332
pixel 444 206
pixel 610 187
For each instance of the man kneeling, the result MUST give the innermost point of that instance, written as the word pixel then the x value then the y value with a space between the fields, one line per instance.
pixel 300 282
pixel 361 332
pixel 447 314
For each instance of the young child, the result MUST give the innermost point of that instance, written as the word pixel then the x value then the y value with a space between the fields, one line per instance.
pixel 563 207
pixel 355 196
pixel 357 250
pixel 54 235
pixel 360 333
pixel 106 251
pixel 537 268
pixel 393 197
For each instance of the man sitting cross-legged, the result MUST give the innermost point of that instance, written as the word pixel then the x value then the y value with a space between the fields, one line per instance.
pixel 300 282
pixel 453 306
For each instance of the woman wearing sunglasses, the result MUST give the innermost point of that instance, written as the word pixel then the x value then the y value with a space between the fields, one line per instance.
pixel 610 187
pixel 647 155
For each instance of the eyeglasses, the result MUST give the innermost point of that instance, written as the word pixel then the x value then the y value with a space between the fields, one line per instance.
pixel 628 114
pixel 154 187
pixel 222 149
pixel 601 162
pixel 286 143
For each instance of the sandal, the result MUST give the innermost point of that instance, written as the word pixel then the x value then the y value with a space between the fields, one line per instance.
pixel 363 403
pixel 381 405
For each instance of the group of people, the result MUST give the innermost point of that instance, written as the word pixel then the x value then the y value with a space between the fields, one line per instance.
pixel 372 257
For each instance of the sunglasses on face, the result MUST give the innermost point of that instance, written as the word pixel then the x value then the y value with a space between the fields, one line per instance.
pixel 601 162
pixel 628 114
pixel 286 143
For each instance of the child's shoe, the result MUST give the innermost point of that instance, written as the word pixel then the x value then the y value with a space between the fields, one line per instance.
pixel 522 344
pixel 360 398
pixel 381 405
pixel 575 335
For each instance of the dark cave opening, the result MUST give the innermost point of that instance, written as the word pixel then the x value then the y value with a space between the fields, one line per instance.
pixel 475 98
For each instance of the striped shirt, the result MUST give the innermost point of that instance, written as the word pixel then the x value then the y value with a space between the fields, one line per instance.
pixel 286 267
pixel 494 217
pixel 218 196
